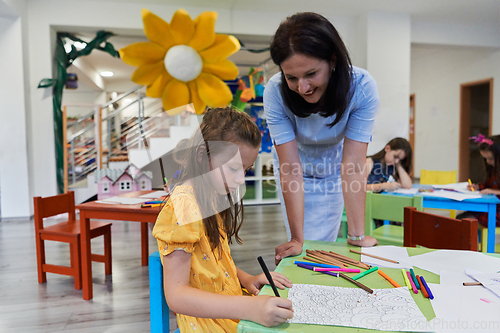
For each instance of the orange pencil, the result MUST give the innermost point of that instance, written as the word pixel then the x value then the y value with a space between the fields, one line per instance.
pixel 394 283
pixel 423 290
pixel 153 205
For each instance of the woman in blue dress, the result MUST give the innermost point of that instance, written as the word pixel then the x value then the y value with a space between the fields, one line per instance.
pixel 320 111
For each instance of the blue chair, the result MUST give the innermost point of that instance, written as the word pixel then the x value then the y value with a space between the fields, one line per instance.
pixel 158 308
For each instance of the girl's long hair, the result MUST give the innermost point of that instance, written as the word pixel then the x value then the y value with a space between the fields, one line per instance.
pixel 313 35
pixel 495 149
pixel 220 129
pixel 395 144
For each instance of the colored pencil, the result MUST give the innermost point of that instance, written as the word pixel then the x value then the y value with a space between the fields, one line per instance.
pixel 268 275
pixel 422 289
pixel 345 270
pixel 471 186
pixel 407 282
pixel 360 275
pixel 312 268
pixel 391 281
pixel 414 278
pixel 147 206
pixel 153 202
pixel 374 256
pixel 315 264
pixel 325 258
pixel 349 261
pixel 427 287
pixel 362 286
pixel 413 286
pixel 472 284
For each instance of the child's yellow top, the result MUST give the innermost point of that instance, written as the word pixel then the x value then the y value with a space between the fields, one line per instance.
pixel 207 273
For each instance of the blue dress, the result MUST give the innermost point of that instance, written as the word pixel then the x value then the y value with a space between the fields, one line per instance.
pixel 320 150
pixel 379 174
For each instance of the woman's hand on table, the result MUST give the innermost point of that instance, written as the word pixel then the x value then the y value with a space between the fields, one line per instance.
pixel 367 241
pixel 291 248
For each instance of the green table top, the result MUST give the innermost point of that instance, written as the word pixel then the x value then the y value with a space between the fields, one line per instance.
pixel 303 276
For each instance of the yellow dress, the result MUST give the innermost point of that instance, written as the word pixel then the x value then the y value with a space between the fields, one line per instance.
pixel 174 230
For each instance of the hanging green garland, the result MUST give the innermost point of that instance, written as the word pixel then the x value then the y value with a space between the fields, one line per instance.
pixel 63 61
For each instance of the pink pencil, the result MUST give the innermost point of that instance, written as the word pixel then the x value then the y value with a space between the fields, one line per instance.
pixel 413 286
pixel 346 270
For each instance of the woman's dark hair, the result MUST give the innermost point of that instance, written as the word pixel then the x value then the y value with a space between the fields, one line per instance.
pixel 220 130
pixel 313 35
pixel 395 144
pixel 495 149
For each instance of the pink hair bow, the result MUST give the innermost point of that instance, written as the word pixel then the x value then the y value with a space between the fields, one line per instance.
pixel 480 139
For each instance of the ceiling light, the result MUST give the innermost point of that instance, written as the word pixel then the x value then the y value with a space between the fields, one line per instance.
pixel 128 100
pixel 107 74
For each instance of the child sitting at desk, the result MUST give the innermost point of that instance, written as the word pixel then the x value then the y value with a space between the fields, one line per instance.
pixel 490 151
pixel 194 229
pixel 389 168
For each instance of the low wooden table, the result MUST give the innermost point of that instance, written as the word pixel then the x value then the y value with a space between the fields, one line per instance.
pixel 117 212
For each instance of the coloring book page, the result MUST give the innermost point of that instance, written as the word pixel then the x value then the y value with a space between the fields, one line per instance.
pixel 386 309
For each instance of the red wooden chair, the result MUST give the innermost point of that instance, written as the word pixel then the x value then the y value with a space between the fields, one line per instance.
pixel 438 232
pixel 67 232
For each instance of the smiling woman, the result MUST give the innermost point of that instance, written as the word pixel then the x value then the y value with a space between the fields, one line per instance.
pixel 184 61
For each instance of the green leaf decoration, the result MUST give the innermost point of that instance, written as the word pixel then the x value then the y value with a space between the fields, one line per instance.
pixel 45 83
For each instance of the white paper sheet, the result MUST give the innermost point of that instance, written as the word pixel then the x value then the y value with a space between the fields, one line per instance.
pixel 455 261
pixel 490 281
pixel 396 253
pixel 460 187
pixel 154 195
pixel 412 190
pixel 386 309
pixel 122 200
pixel 458 196
pixel 454 279
pixel 464 309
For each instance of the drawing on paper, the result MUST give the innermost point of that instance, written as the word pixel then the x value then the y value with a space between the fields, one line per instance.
pixel 386 309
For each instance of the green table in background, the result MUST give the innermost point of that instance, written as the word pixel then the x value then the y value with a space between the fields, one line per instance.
pixel 303 276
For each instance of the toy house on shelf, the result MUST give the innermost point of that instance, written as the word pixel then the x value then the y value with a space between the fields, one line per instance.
pixel 112 182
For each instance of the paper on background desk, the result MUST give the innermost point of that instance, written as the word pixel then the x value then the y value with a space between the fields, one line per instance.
pixel 154 195
pixel 396 253
pixel 464 309
pixel 455 261
pixel 386 309
pixel 412 190
pixel 460 187
pixel 458 196
pixel 122 200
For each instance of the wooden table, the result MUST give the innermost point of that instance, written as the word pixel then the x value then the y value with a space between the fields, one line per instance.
pixel 117 212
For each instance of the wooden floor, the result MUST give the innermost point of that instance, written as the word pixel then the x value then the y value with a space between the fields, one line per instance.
pixel 121 300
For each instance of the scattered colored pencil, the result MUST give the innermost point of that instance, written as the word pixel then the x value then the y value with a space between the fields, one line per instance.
pixel 148 206
pixel 153 202
pixel 362 286
pixel 472 284
pixel 422 289
pixel 391 281
pixel 427 287
pixel 405 277
pixel 360 275
pixel 414 278
pixel 413 286
pixel 315 264
pixel 345 270
pixel 312 268
pixel 374 256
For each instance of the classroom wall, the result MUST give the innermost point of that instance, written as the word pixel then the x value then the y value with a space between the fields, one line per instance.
pixel 436 75
pixel 45 16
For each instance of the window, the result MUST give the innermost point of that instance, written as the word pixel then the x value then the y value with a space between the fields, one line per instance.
pixel 125 185
pixel 105 187
pixel 143 184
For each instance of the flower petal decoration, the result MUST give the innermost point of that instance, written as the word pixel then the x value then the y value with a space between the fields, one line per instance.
pixel 184 61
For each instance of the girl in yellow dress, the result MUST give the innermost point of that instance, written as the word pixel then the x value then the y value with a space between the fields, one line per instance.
pixel 194 229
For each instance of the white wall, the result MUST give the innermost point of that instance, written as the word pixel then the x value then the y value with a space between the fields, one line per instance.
pixel 14 188
pixel 436 75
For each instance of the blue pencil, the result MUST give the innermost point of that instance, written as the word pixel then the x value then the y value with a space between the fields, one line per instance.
pixel 315 264
pixel 306 266
pixel 152 202
pixel 427 287
pixel 414 278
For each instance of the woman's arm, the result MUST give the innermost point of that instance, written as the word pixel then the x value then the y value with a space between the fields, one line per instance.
pixel 292 186
pixel 183 299
pixel 354 188
pixel 404 178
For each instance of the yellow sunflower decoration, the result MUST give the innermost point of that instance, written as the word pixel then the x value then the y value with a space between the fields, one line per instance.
pixel 184 61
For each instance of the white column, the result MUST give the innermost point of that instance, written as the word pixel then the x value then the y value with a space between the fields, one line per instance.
pixel 388 46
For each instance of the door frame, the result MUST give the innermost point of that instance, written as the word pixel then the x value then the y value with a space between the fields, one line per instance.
pixel 465 110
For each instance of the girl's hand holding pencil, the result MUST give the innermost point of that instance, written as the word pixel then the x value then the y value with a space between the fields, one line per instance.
pixel 269 310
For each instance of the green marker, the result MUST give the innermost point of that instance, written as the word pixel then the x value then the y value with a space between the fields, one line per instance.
pixel 414 278
pixel 165 179
pixel 373 269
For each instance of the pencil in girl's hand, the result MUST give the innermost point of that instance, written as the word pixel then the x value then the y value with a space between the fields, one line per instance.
pixel 471 186
pixel 391 281
pixel 268 275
